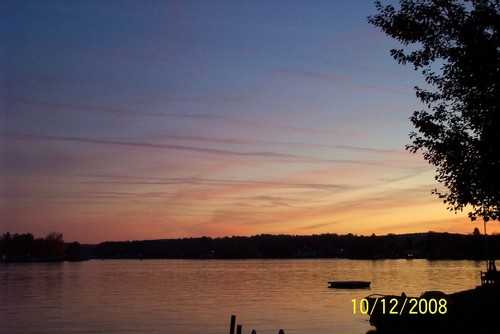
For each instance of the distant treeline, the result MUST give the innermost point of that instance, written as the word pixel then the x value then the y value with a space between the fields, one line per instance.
pixel 27 248
pixel 420 245
pixel 431 245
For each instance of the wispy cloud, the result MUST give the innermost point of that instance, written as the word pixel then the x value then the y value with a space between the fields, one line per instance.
pixel 143 180
pixel 264 155
pixel 320 226
pixel 15 104
pixel 308 74
pixel 211 151
pixel 294 144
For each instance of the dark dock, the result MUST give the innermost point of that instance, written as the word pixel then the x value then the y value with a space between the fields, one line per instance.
pixel 239 328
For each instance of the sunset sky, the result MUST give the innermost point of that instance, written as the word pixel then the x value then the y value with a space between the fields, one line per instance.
pixel 126 120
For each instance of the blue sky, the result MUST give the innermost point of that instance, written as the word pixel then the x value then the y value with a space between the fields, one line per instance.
pixel 159 119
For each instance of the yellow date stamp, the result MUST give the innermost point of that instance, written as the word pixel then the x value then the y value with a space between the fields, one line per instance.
pixel 399 306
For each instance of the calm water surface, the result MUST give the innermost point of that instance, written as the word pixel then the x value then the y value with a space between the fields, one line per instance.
pixel 191 296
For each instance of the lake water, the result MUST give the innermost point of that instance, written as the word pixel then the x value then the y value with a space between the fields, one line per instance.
pixel 199 296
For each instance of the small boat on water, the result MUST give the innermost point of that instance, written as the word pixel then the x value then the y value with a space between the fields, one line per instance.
pixel 349 284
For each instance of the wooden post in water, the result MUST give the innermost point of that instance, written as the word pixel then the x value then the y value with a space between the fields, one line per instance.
pixel 238 329
pixel 233 323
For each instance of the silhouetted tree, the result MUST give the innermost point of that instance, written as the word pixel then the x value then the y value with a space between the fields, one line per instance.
pixel 54 246
pixel 456 46
pixel 431 245
pixel 24 247
pixel 6 246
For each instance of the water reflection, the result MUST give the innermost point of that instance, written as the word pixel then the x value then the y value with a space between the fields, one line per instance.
pixel 188 296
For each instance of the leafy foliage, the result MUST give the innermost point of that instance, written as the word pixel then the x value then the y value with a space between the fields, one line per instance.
pixel 456 46
pixel 24 247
